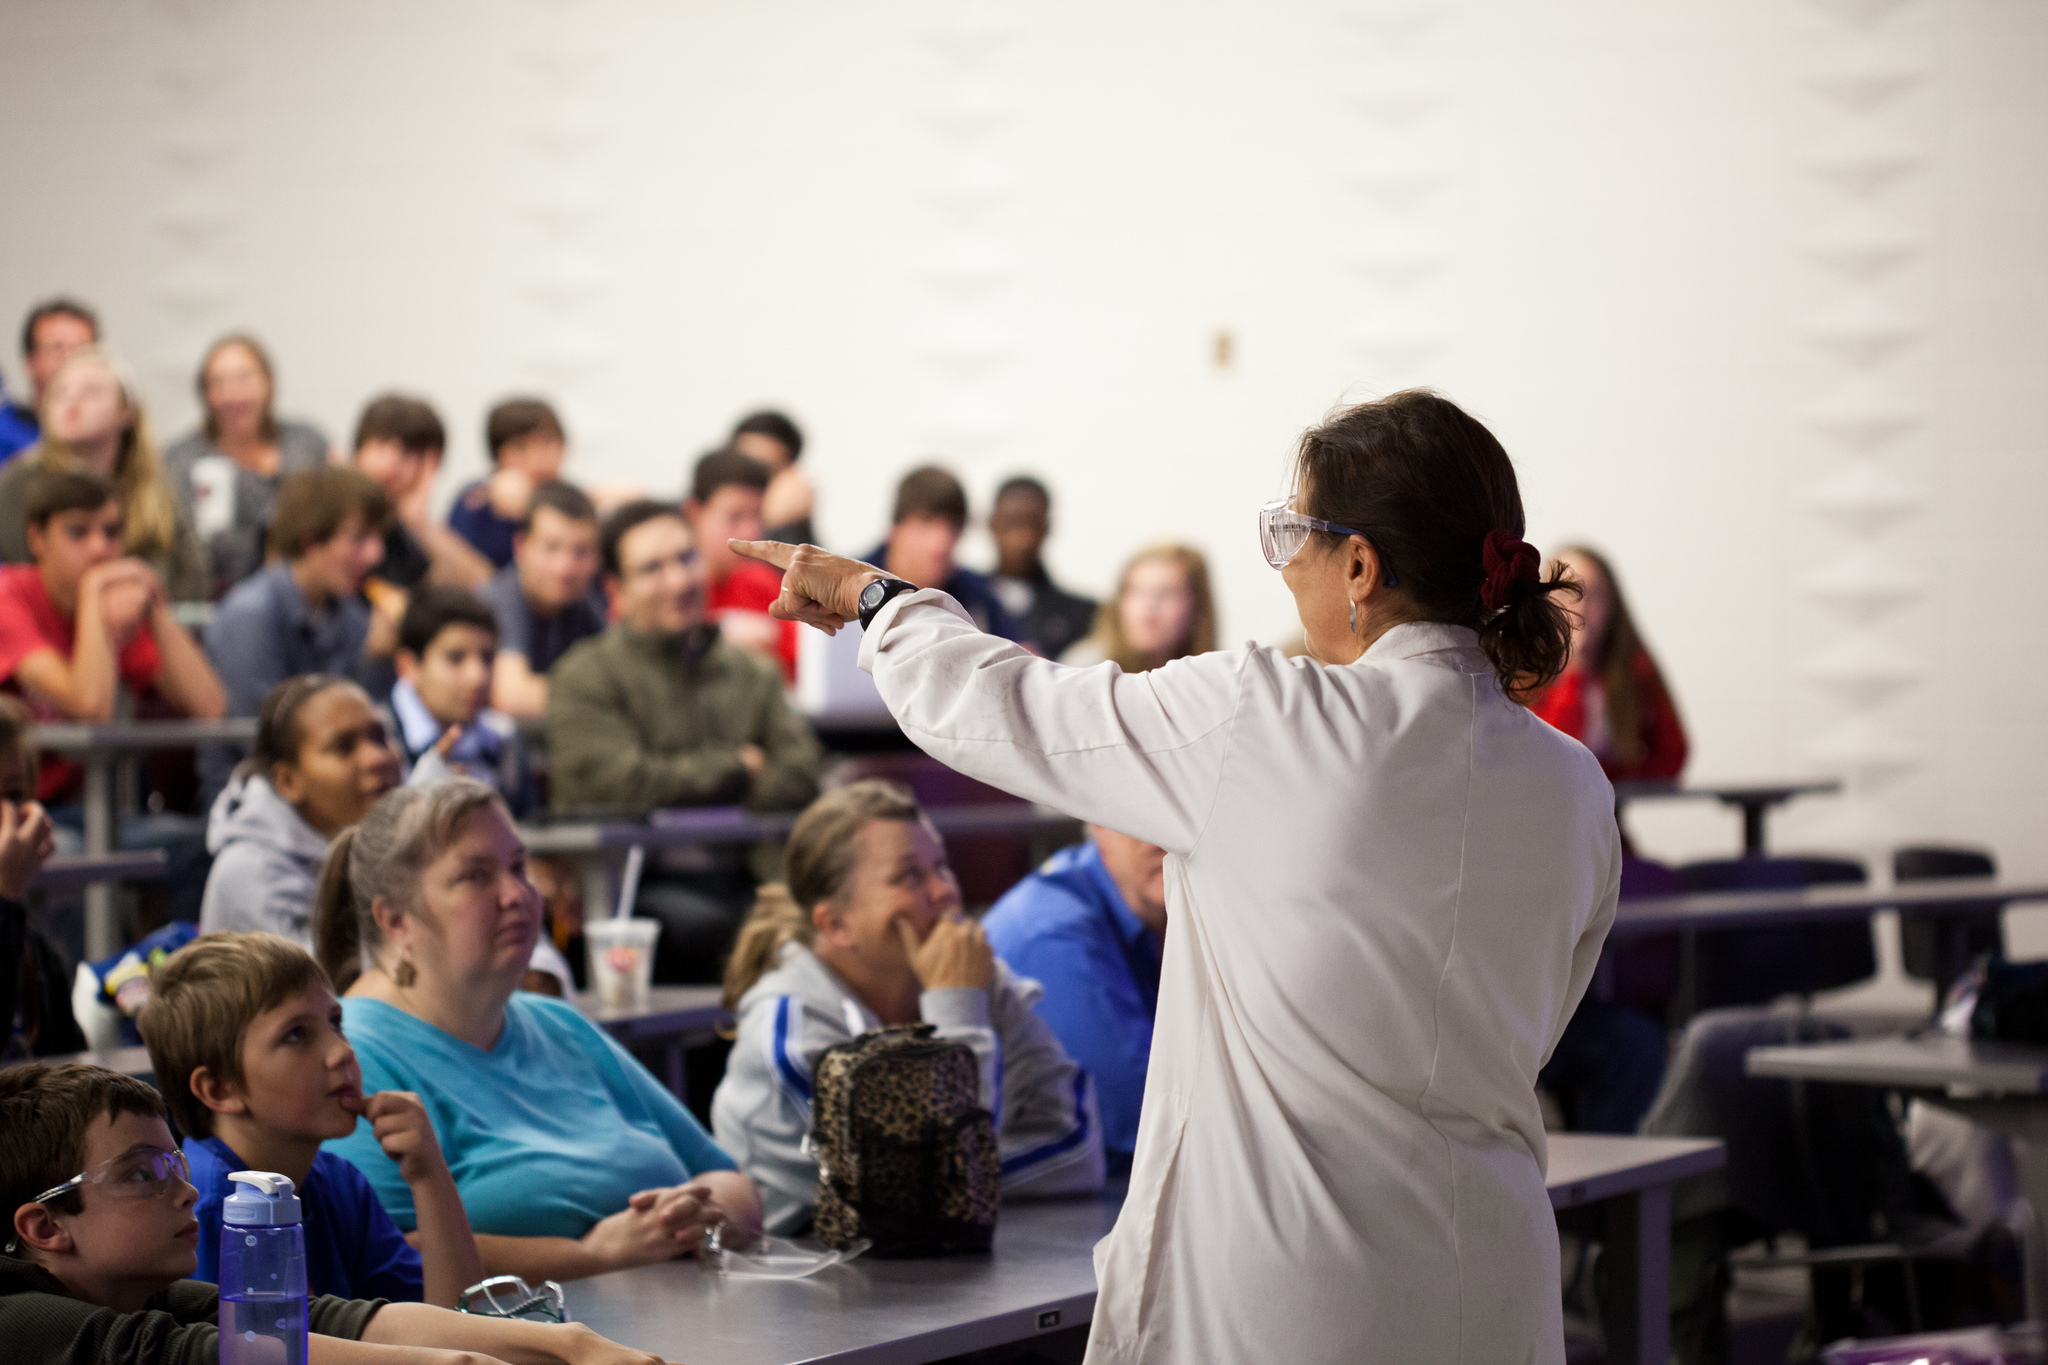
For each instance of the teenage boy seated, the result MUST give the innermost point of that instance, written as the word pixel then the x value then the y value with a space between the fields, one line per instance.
pixel 305 613
pixel 1050 617
pixel 83 620
pixel 527 447
pixel 445 647
pixel 545 598
pixel 1089 926
pixel 725 505
pixel 244 1032
pixel 104 1241
pixel 930 516
pixel 659 711
pixel 399 443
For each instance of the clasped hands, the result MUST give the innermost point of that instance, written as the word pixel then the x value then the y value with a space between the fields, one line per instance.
pixel 661 1224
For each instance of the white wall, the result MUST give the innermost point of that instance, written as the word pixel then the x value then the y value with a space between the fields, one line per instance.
pixel 1009 234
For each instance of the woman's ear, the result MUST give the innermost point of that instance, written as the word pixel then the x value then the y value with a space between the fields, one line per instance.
pixel 829 923
pixel 35 1227
pixel 215 1093
pixel 392 922
pixel 287 782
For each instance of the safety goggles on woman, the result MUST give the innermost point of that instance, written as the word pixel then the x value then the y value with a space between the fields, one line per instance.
pixel 1283 531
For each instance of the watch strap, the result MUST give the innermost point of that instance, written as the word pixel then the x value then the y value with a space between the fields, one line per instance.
pixel 891 588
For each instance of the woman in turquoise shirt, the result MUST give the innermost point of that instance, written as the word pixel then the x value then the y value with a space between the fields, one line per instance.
pixel 570 1159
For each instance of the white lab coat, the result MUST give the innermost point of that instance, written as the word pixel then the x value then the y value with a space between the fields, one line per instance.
pixel 1387 886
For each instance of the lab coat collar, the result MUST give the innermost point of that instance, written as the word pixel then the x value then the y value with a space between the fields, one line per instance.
pixel 1412 639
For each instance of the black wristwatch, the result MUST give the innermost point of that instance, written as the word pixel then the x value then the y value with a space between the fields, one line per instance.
pixel 876 595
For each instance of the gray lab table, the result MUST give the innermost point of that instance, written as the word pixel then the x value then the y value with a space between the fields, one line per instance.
pixel 2003 1086
pixel 1746 909
pixel 1753 799
pixel 86 869
pixel 99 749
pixel 674 1020
pixel 1041 1278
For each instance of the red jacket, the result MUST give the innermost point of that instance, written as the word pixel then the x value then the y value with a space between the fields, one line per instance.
pixel 1563 704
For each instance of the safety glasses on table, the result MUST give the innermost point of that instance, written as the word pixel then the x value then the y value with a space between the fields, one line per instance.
pixel 139 1173
pixel 508 1296
pixel 1283 531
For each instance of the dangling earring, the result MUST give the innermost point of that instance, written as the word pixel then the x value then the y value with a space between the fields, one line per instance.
pixel 1354 618
pixel 405 975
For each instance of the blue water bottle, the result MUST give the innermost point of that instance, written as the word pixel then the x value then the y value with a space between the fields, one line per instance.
pixel 262 1273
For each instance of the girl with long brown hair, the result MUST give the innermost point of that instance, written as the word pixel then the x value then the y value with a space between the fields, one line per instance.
pixel 1611 696
pixel 1162 610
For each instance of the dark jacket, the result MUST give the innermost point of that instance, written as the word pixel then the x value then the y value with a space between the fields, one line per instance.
pixel 975 594
pixel 639 722
pixel 35 983
pixel 43 1325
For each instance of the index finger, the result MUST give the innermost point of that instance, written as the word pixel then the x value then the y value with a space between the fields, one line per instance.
pixel 767 551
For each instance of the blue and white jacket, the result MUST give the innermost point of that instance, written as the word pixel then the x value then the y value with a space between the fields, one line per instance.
pixel 1047 1128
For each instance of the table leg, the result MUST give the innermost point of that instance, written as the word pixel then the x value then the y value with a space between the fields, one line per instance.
pixel 102 934
pixel 1637 1305
pixel 1753 829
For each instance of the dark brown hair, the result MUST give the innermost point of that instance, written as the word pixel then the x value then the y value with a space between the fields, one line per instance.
pixel 268 427
pixel 55 308
pixel 628 519
pixel 563 499
pixel 433 607
pixel 53 489
pixel 515 419
pixel 385 855
pixel 726 468
pixel 1614 662
pixel 45 1110
pixel 313 503
pixel 409 421
pixel 1424 482
pixel 776 427
pixel 820 857
pixel 203 998
pixel 930 491
pixel 281 728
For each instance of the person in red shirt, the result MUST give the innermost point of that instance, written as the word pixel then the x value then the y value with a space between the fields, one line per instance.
pixel 725 505
pixel 84 620
pixel 1610 697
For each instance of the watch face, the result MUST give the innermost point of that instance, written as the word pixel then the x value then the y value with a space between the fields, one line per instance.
pixel 871 595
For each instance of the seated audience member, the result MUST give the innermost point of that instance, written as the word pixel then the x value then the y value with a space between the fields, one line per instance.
pixel 305 613
pixel 659 711
pixel 725 505
pixel 83 621
pixel 93 423
pixel 786 507
pixel 527 446
pixel 1089 927
pixel 925 530
pixel 1162 611
pixel 1049 616
pixel 867 932
pixel 322 758
pixel 244 1034
pixel 446 644
pixel 570 1158
pixel 399 443
pixel 53 330
pixel 545 599
pixel 35 982
pixel 1611 696
pixel 227 473
pixel 104 1240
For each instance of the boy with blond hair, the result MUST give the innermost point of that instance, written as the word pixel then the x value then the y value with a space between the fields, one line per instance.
pixel 103 1240
pixel 245 1034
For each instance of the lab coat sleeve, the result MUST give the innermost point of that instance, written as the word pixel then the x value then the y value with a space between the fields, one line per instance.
pixel 762 1110
pixel 1141 753
pixel 1586 951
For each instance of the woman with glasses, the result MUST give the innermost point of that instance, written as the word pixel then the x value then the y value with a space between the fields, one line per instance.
pixel 1388 884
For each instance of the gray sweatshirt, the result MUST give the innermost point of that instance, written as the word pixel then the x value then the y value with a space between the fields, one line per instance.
pixel 1047 1130
pixel 266 863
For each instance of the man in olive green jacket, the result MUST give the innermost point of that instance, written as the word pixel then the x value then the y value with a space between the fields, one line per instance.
pixel 657 711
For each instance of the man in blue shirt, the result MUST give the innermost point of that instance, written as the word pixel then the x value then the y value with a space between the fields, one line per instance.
pixel 1088 926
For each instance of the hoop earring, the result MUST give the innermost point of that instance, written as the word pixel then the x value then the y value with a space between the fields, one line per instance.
pixel 405 974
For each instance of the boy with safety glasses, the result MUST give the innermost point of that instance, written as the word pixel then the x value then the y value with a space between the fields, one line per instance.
pixel 104 1236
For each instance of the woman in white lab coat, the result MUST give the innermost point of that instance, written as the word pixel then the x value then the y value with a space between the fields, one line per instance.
pixel 1388 884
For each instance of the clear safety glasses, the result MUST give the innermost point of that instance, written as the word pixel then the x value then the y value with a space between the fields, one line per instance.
pixel 508 1296
pixel 142 1173
pixel 1283 531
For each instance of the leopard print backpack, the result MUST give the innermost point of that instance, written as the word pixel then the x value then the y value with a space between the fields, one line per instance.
pixel 906 1154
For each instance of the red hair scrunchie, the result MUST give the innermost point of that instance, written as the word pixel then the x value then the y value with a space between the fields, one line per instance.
pixel 1508 560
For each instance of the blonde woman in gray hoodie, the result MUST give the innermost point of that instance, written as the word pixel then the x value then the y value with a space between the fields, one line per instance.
pixel 867 932
pixel 322 757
